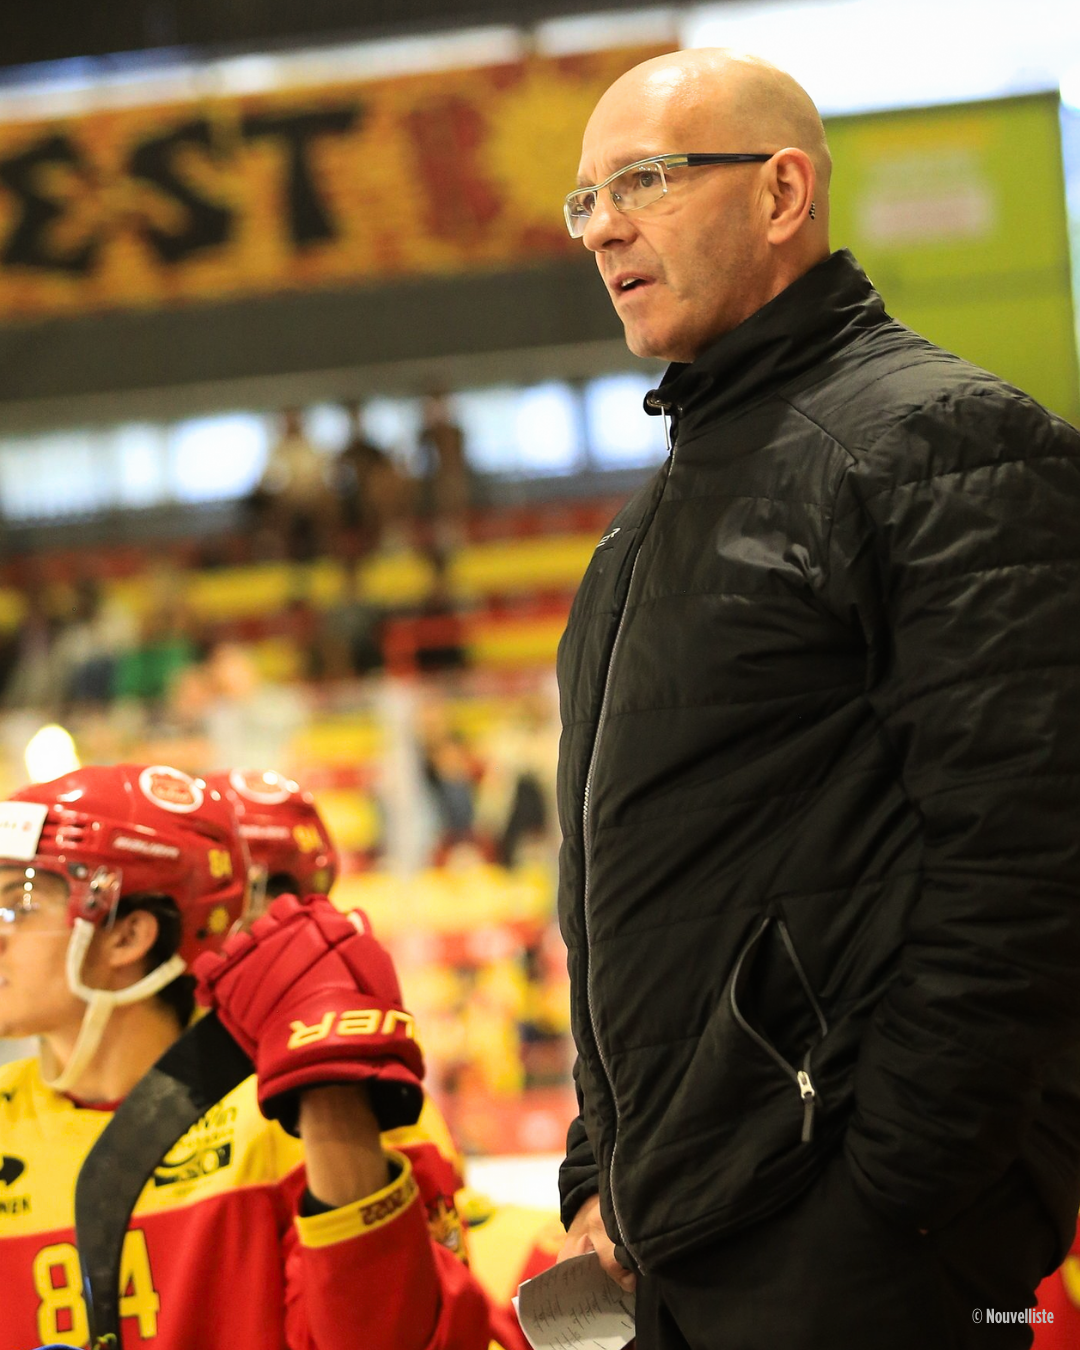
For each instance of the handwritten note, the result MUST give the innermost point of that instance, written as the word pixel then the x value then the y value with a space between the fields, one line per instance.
pixel 575 1306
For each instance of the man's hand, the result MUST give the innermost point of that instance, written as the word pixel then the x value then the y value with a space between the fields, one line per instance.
pixel 588 1234
pixel 313 998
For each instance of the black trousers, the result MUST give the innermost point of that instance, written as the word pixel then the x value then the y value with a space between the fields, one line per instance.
pixel 831 1273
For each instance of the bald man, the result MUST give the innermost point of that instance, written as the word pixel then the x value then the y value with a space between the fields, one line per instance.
pixel 819 884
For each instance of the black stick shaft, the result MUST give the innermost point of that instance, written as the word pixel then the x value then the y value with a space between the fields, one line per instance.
pixel 203 1066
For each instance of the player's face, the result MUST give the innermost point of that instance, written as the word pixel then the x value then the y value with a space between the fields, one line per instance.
pixel 693 258
pixel 34 996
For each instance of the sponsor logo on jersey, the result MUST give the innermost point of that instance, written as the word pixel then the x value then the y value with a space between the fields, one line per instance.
pixel 269 788
pixel 149 848
pixel 11 1169
pixel 205 1149
pixel 192 1168
pixel 171 789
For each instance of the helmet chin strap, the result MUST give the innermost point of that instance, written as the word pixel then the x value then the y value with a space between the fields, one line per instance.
pixel 101 1002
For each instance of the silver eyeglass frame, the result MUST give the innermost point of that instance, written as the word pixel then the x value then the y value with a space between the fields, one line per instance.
pixel 690 159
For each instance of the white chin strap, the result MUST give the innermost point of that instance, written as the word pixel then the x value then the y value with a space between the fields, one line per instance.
pixel 101 1002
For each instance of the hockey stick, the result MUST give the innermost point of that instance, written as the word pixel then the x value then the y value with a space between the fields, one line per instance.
pixel 190 1077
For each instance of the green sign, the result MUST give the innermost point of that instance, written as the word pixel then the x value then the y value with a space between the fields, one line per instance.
pixel 958 216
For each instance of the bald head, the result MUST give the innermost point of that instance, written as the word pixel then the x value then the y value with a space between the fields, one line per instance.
pixel 718 241
pixel 712 98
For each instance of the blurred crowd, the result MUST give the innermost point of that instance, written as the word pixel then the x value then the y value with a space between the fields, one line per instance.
pixel 439 788
pixel 79 643
pixel 84 643
pixel 440 791
pixel 204 700
pixel 363 498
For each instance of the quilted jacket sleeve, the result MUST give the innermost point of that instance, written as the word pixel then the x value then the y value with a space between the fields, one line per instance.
pixel 957 545
pixel 578 1176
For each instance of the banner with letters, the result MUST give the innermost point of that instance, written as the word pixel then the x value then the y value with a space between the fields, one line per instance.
pixel 425 174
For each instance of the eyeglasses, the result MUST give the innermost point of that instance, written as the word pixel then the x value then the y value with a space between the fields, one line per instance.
pixel 17 909
pixel 638 184
pixel 18 897
pixel 40 888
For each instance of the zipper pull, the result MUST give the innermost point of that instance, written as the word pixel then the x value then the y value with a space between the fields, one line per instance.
pixel 653 400
pixel 809 1096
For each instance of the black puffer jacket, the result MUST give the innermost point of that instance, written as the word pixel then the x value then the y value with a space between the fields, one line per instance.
pixel 819 788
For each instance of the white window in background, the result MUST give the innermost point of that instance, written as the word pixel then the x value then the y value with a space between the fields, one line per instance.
pixel 216 458
pixel 486 417
pixel 81 84
pixel 393 424
pixel 62 474
pixel 525 433
pixel 326 426
pixel 856 55
pixel 549 429
pixel 1070 151
pixel 568 35
pixel 18 485
pixel 139 454
pixel 622 435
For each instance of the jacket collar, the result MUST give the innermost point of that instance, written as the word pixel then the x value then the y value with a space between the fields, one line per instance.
pixel 816 315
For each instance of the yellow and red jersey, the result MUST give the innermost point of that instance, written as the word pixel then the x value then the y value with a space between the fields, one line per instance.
pixel 216 1255
pixel 508 1244
pixel 1060 1294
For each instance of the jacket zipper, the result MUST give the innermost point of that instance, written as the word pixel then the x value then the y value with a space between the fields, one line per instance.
pixel 587 839
pixel 665 415
pixel 801 1076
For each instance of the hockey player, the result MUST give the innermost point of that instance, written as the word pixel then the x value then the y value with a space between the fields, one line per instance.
pixel 112 882
pixel 1059 1298
pixel 291 851
pixel 289 846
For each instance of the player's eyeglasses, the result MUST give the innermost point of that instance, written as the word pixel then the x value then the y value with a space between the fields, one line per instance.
pixel 19 898
pixel 41 889
pixel 14 911
pixel 639 184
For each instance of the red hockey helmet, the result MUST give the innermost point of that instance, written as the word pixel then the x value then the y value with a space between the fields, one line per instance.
pixel 120 830
pixel 285 835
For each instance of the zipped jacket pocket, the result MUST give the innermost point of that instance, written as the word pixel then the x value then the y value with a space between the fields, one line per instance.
pixel 800 1075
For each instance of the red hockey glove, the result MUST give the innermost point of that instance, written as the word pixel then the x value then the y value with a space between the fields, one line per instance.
pixel 313 998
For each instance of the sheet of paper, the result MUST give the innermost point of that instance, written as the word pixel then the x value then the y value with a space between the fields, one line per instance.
pixel 575 1306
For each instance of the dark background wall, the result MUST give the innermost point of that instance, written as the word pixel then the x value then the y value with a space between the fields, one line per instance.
pixel 553 321
pixel 52 30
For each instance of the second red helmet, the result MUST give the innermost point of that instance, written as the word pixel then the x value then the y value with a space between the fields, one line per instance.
pixel 282 828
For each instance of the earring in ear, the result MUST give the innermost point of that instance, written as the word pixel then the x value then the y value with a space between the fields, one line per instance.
pixel 813 211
